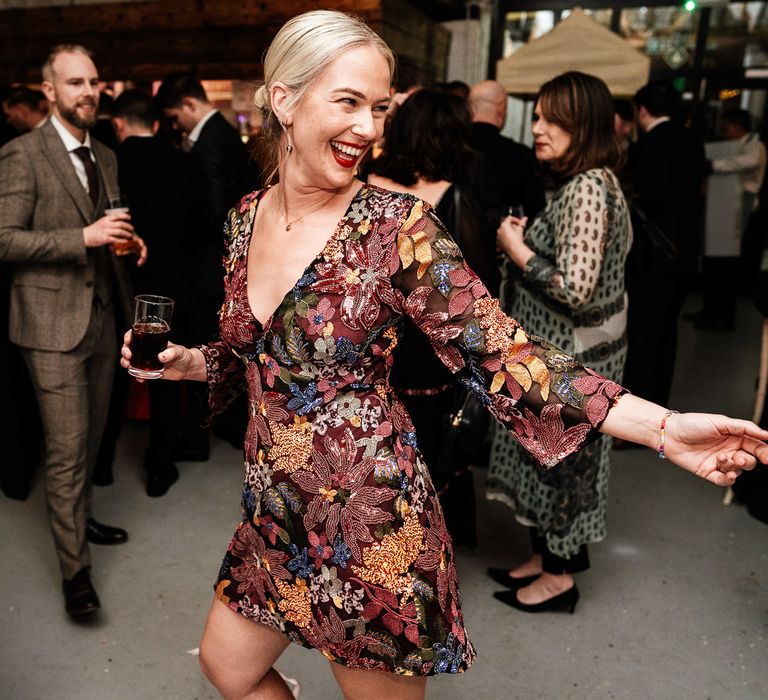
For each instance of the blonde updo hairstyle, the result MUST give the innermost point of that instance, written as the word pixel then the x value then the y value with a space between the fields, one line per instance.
pixel 300 52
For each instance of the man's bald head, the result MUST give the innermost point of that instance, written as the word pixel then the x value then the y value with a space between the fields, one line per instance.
pixel 488 103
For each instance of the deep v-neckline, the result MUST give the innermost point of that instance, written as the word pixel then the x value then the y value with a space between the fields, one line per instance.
pixel 266 324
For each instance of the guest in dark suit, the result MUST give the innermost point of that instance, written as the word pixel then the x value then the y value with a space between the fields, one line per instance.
pixel 103 129
pixel 25 109
pixel 153 176
pixel 666 171
pixel 20 430
pixel 54 184
pixel 228 174
pixel 513 164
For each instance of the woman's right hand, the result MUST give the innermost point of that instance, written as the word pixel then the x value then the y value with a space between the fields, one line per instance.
pixel 179 362
pixel 509 240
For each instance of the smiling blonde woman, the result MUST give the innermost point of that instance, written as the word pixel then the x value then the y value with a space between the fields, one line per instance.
pixel 343 546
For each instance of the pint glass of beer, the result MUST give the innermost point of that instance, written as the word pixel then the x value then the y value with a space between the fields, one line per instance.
pixel 151 328
pixel 118 204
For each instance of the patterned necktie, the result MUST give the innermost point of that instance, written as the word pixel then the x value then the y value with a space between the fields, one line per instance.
pixel 84 154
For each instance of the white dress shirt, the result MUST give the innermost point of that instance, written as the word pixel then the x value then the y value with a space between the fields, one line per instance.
pixel 195 133
pixel 71 143
pixel 749 163
pixel 655 123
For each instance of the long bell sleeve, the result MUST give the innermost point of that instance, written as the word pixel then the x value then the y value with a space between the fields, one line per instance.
pixel 225 371
pixel 580 232
pixel 548 401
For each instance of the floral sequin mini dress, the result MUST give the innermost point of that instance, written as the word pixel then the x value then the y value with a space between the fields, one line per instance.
pixel 343 546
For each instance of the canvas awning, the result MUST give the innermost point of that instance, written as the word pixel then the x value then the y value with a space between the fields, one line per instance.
pixel 576 43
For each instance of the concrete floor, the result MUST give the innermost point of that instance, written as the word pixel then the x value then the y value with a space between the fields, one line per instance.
pixel 674 607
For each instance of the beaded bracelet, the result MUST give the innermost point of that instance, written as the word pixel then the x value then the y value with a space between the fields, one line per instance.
pixel 663 433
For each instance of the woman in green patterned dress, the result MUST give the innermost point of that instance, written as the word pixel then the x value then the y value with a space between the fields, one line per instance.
pixel 571 291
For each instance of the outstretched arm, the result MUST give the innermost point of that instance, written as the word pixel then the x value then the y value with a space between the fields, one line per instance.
pixel 547 400
pixel 713 447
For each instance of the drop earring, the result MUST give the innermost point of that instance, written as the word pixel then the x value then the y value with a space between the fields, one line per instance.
pixel 289 146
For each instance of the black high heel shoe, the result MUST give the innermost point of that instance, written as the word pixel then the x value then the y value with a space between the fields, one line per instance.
pixel 565 601
pixel 502 576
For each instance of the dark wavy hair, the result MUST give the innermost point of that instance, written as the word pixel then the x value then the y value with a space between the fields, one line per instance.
pixel 582 106
pixel 659 98
pixel 176 86
pixel 135 106
pixel 428 137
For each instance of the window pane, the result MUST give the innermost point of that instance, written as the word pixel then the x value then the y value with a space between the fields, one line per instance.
pixel 667 34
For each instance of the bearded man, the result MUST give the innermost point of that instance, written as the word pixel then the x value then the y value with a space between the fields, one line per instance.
pixel 54 185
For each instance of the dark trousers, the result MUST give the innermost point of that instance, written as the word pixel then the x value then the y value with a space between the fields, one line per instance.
pixel 654 306
pixel 165 408
pixel 164 418
pixel 21 435
pixel 231 424
pixel 121 384
pixel 453 483
pixel 721 284
pixel 553 564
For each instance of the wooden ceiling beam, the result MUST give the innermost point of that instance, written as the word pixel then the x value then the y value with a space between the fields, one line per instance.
pixel 219 39
pixel 170 15
pixel 119 54
pixel 150 39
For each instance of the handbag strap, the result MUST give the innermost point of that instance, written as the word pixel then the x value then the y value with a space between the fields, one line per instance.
pixel 456 233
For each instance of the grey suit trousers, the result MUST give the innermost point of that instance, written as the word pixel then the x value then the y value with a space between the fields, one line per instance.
pixel 73 394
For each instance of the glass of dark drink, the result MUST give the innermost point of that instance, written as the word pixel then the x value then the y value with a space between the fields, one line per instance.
pixel 151 328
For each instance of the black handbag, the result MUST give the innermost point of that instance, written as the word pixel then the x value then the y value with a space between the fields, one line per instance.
pixel 652 250
pixel 464 435
pixel 464 432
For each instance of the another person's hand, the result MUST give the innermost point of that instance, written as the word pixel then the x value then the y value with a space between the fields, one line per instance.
pixel 179 362
pixel 109 229
pixel 397 99
pixel 509 240
pixel 141 250
pixel 714 447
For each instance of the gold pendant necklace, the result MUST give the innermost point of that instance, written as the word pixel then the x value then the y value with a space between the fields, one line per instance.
pixel 311 211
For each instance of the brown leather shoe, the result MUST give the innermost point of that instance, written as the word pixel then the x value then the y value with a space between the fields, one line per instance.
pixel 80 597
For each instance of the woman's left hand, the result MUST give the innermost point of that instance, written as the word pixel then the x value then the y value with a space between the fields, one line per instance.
pixel 714 447
pixel 509 240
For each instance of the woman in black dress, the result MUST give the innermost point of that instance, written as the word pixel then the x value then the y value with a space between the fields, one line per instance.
pixel 427 153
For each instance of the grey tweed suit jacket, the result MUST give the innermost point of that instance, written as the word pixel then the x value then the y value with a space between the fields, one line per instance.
pixel 43 210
